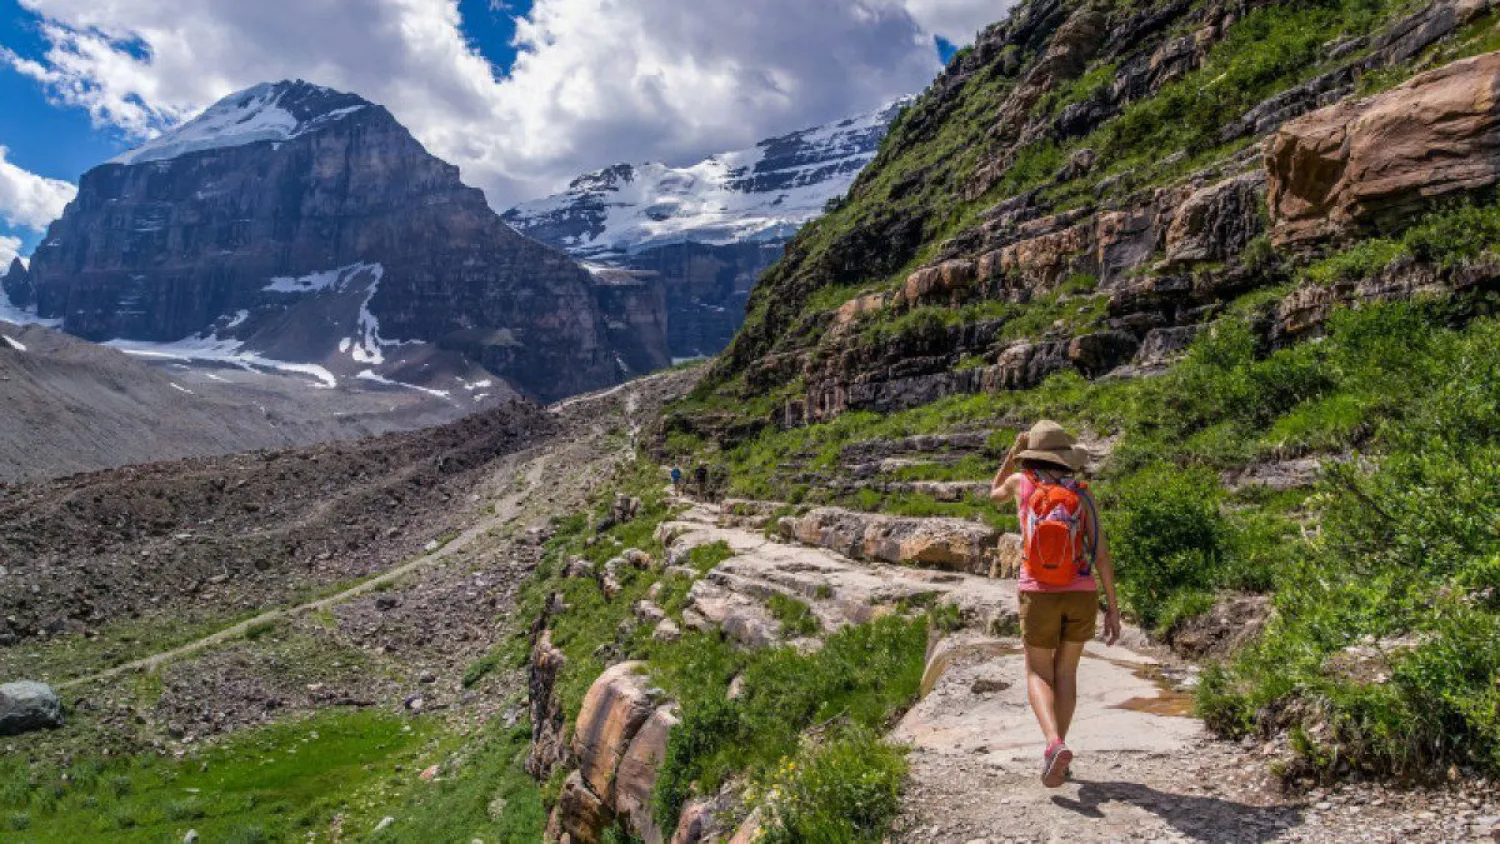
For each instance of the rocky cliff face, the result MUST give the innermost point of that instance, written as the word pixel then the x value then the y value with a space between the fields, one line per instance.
pixel 16 284
pixel 709 230
pixel 302 224
pixel 1088 186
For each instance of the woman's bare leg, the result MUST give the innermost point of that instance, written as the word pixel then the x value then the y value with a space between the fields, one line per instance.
pixel 1040 682
pixel 1065 685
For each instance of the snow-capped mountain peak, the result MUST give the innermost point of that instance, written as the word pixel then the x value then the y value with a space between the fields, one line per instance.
pixel 271 111
pixel 760 194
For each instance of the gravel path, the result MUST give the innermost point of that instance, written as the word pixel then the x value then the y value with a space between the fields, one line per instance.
pixel 1145 769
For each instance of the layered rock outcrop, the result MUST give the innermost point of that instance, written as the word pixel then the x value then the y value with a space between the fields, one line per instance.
pixel 950 544
pixel 1100 253
pixel 1364 162
pixel 619 742
pixel 249 222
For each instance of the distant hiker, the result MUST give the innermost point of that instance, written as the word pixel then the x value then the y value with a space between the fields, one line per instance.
pixel 676 480
pixel 701 475
pixel 1062 546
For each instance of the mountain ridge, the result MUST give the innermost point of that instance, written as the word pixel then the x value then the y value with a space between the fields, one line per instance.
pixel 184 238
pixel 707 230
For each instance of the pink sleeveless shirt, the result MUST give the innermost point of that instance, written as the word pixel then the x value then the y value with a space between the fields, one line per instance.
pixel 1081 582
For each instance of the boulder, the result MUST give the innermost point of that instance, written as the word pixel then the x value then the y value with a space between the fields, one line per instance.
pixel 1097 353
pixel 637 775
pixel 26 706
pixel 951 544
pixel 647 612
pixel 667 631
pixel 1215 222
pixel 548 747
pixel 616 706
pixel 743 620
pixel 946 282
pixel 695 823
pixel 1007 562
pixel 1382 158
pixel 1163 346
pixel 852 310
pixel 1046 260
pixel 1123 240
pixel 579 813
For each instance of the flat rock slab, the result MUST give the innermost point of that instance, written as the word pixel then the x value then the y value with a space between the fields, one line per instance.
pixel 839 590
pixel 976 706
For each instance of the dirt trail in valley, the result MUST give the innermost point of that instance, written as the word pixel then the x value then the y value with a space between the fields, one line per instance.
pixel 577 455
pixel 535 463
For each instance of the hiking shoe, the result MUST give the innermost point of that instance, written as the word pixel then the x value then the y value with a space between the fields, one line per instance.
pixel 1055 765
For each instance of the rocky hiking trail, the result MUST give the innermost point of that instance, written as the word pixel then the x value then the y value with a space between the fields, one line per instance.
pixel 1146 768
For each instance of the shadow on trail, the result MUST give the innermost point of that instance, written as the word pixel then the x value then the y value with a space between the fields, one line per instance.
pixel 1199 817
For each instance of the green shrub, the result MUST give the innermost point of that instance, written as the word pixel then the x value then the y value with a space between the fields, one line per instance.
pixel 1361 261
pixel 260 629
pixel 860 676
pixel 796 617
pixel 1166 537
pixel 481 668
pixel 1409 558
pixel 1457 233
pixel 846 788
pixel 705 557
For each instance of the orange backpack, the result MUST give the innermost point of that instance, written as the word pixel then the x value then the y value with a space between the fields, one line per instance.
pixel 1055 550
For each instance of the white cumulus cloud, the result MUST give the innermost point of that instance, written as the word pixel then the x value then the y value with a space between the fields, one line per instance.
pixel 10 247
pixel 28 200
pixel 596 81
pixel 958 21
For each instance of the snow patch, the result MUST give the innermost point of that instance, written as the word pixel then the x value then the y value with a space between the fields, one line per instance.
pixel 251 116
pixel 219 350
pixel 372 375
pixel 177 386
pixel 762 194
pixel 317 282
pixel 367 345
pixel 23 316
pixel 14 343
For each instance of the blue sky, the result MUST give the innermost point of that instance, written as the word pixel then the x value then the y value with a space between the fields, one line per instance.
pixel 521 94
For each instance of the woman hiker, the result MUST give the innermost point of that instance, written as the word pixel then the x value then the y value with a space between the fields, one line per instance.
pixel 1062 548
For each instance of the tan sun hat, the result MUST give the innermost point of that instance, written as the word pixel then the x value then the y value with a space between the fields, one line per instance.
pixel 1048 441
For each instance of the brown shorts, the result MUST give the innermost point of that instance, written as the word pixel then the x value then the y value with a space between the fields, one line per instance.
pixel 1049 618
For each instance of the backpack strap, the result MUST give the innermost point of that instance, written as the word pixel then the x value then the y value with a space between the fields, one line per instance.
pixel 1088 499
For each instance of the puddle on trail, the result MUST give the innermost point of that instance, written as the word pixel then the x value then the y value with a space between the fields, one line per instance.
pixel 1172 700
pixel 1174 697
